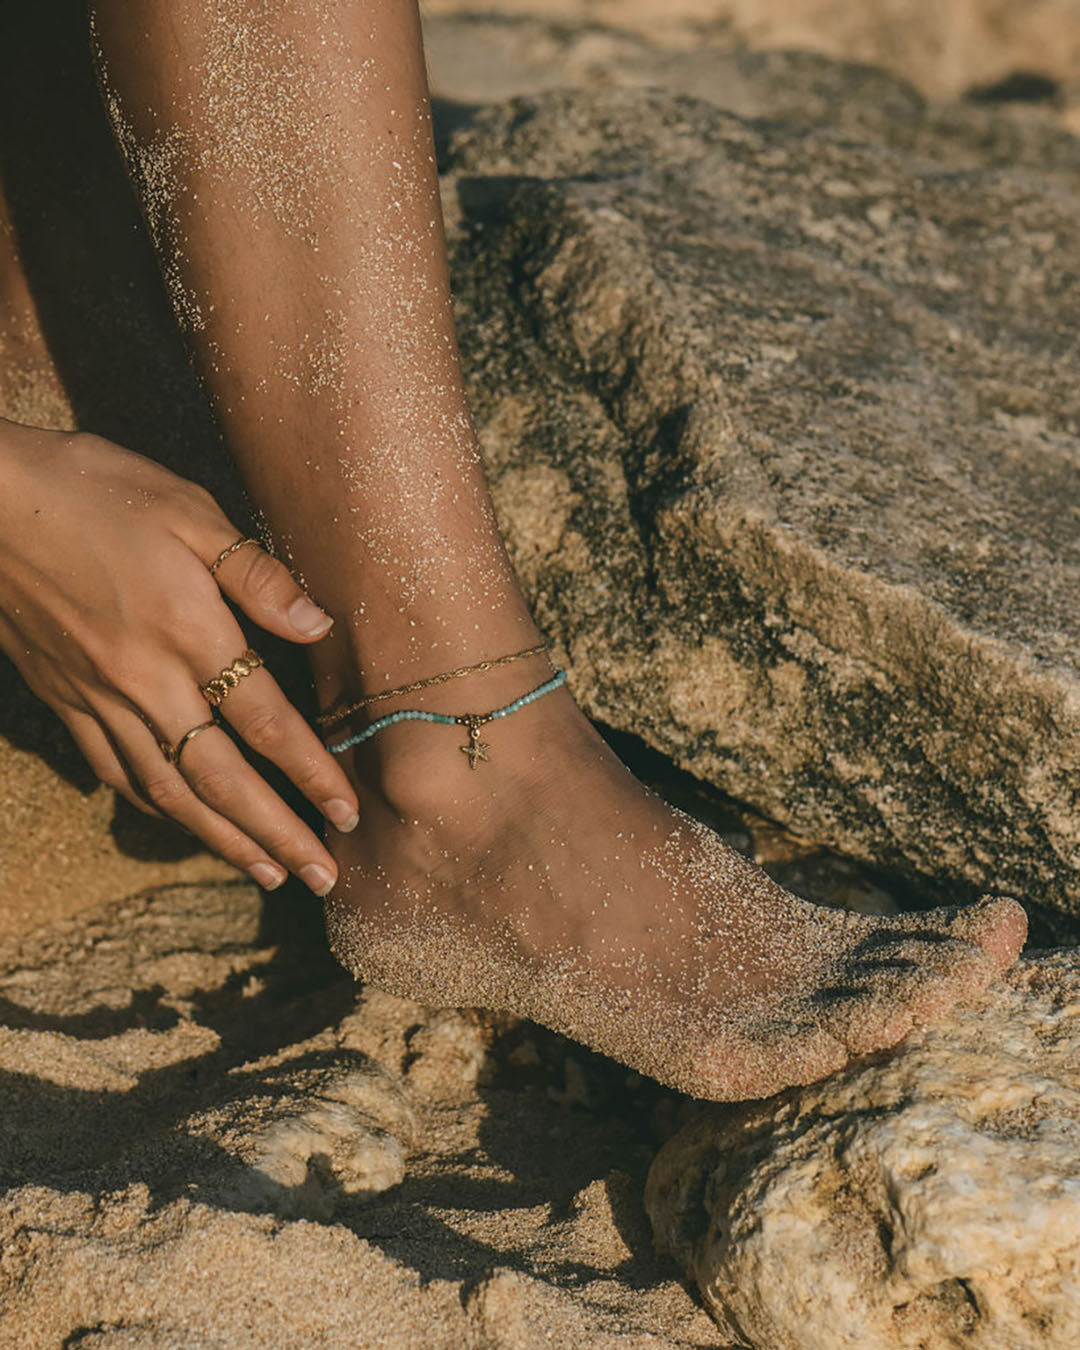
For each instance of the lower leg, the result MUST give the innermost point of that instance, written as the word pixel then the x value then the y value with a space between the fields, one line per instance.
pixel 30 389
pixel 285 161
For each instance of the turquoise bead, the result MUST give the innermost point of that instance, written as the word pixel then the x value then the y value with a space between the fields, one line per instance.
pixel 416 714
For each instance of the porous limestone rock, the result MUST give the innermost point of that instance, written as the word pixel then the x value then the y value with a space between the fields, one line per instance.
pixel 304 1138
pixel 447 1056
pixel 782 429
pixel 928 1197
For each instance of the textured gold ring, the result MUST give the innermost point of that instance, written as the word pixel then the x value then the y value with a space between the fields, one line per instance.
pixel 228 552
pixel 173 752
pixel 216 691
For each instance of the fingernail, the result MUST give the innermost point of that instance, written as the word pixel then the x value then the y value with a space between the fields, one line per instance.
pixel 307 618
pixel 317 878
pixel 267 875
pixel 343 816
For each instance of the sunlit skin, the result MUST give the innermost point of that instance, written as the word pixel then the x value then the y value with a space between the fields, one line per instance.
pixel 284 158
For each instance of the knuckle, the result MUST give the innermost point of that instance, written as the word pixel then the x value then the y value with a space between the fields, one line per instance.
pixel 264 729
pixel 84 442
pixel 188 616
pixel 213 785
pixel 166 791
pixel 309 773
pixel 193 499
pixel 123 664
pixel 276 835
pixel 289 843
pixel 142 805
pixel 236 848
pixel 265 577
pixel 201 497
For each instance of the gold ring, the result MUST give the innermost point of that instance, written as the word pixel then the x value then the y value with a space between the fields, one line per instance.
pixel 228 552
pixel 216 691
pixel 173 752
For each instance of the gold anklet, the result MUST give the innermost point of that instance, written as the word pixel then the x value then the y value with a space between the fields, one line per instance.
pixel 329 719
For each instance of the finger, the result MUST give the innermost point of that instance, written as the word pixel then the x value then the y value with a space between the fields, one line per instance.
pixel 220 778
pixel 273 728
pixel 168 790
pixel 268 722
pixel 268 593
pixel 98 751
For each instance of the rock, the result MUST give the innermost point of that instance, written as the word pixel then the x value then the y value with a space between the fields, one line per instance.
pixel 197 1150
pixel 928 1197
pixel 487 58
pixel 305 1139
pixel 448 1056
pixel 945 49
pixel 782 430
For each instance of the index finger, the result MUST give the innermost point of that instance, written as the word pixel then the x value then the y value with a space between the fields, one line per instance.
pixel 268 593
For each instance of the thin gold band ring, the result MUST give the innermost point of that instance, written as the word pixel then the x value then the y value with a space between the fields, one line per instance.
pixel 228 552
pixel 216 691
pixel 173 752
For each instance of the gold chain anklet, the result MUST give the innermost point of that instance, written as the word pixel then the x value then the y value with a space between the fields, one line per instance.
pixel 329 719
pixel 476 749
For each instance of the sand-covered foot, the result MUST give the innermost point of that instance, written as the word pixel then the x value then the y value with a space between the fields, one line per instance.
pixel 549 883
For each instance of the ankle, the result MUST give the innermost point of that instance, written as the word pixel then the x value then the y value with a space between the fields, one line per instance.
pixel 349 669
pixel 417 771
pixel 420 771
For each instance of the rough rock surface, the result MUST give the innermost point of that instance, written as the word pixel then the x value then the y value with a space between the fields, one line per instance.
pixel 783 432
pixel 929 1198
pixel 944 49
pixel 307 1138
pixel 476 58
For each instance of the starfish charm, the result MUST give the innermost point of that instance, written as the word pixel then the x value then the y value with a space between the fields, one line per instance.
pixel 476 749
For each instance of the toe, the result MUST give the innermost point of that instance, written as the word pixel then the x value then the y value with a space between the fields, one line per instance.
pixel 997 926
pixel 780 1052
pixel 888 987
pixel 868 1024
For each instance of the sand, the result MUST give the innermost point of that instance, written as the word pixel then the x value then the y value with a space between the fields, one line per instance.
pixel 212 1136
pixel 173 1075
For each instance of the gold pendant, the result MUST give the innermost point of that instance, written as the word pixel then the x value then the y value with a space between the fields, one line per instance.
pixel 476 749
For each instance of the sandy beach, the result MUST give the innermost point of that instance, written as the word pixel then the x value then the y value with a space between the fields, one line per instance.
pixel 210 1135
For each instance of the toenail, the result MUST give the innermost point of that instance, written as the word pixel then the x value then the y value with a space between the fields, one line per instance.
pixel 317 878
pixel 266 875
pixel 341 814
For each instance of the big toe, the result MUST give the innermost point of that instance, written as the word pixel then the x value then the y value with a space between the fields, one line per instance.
pixel 996 925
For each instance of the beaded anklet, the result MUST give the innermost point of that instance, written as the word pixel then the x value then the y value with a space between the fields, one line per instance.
pixel 476 748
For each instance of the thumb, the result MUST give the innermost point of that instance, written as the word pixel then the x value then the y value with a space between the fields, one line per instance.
pixel 269 594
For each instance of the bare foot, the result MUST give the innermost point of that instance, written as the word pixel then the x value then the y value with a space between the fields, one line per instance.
pixel 551 884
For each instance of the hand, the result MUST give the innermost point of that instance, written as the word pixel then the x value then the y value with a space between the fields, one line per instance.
pixel 110 613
